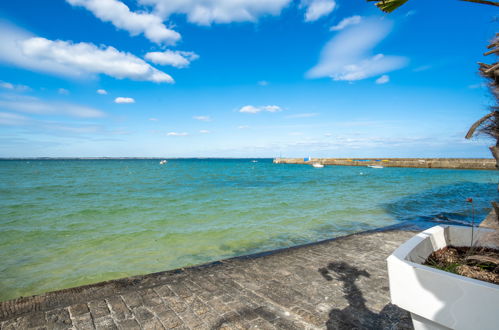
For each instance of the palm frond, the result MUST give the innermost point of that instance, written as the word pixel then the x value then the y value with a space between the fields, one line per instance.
pixel 388 6
pixel 484 2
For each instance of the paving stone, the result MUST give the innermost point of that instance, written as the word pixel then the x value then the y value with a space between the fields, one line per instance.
pixel 128 324
pixel 261 324
pixel 170 320
pixel 190 319
pixel 142 314
pixel 78 309
pixel 151 298
pixel 14 324
pixel 164 291
pixel 36 319
pixel 119 309
pixel 58 319
pixel 98 308
pixel 181 290
pixel 132 299
pixel 176 304
pixel 152 324
pixel 83 322
pixel 105 323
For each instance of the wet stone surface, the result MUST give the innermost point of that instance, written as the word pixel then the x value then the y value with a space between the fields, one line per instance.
pixel 336 284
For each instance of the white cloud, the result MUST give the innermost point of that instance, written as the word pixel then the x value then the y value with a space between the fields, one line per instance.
pixel 63 91
pixel 178 59
pixel 177 134
pixel 243 127
pixel 36 106
pixel 153 119
pixel 271 108
pixel 383 79
pixel 19 48
pixel 352 20
pixel 206 12
pixel 121 17
pixel 263 83
pixel 12 87
pixel 124 100
pixel 252 109
pixel 317 8
pixel 204 131
pixel 202 118
pixel 347 56
pixel 102 92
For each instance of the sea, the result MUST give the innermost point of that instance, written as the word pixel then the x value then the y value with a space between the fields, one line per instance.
pixel 65 223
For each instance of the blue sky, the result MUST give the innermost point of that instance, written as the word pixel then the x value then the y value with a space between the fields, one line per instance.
pixel 247 78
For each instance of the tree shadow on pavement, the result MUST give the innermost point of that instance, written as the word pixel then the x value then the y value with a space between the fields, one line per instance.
pixel 356 315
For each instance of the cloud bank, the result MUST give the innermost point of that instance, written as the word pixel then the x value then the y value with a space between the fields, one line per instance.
pixel 175 58
pixel 352 20
pixel 383 79
pixel 65 58
pixel 177 134
pixel 117 13
pixel 253 110
pixel 347 56
pixel 317 9
pixel 202 118
pixel 207 12
pixel 124 100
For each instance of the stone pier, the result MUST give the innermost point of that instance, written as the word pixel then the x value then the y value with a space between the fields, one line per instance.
pixel 335 284
pixel 450 163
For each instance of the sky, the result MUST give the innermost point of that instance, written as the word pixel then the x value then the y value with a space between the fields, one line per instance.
pixel 245 78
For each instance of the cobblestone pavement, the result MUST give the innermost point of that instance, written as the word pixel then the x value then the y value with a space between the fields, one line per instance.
pixel 336 284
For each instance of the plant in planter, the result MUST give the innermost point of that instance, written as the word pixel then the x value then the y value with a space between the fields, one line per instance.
pixel 439 299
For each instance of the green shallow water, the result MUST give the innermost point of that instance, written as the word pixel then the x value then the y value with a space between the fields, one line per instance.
pixel 65 223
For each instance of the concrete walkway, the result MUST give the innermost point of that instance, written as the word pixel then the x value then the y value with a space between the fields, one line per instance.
pixel 336 284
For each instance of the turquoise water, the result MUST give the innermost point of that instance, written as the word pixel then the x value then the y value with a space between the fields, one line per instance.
pixel 74 222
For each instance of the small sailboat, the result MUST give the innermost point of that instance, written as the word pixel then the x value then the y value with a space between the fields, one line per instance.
pixel 163 162
pixel 317 165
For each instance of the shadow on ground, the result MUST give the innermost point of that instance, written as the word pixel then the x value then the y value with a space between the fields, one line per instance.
pixel 356 315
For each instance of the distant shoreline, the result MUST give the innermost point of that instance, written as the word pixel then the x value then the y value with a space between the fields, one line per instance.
pixel 283 160
pixel 125 158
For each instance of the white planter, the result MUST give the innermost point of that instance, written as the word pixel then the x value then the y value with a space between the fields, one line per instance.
pixel 438 299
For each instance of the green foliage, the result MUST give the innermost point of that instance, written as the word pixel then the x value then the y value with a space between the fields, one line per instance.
pixel 388 5
pixel 450 267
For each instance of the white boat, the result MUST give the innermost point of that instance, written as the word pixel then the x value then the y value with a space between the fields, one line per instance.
pixel 375 166
pixel 163 162
pixel 254 161
pixel 317 165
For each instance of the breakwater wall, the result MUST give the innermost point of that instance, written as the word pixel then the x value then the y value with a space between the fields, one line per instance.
pixel 454 163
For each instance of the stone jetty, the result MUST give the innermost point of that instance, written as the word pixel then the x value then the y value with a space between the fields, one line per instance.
pixel 335 284
pixel 452 163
